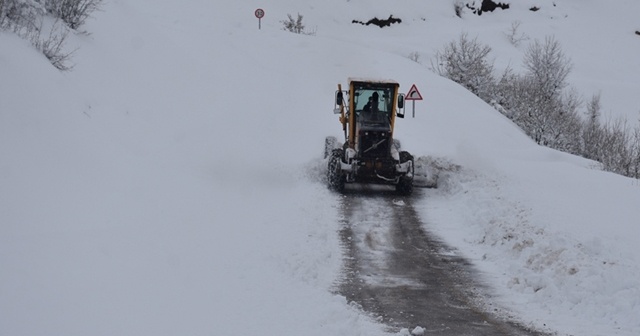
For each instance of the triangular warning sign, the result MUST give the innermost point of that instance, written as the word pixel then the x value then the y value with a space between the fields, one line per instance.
pixel 413 94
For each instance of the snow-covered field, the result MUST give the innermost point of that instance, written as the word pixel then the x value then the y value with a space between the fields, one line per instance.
pixel 169 183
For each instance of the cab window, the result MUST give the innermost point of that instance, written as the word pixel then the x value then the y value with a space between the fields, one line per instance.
pixel 373 104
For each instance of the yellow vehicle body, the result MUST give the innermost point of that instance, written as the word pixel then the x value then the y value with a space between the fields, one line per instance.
pixel 368 111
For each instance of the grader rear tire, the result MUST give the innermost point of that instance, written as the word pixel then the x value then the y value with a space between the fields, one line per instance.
pixel 405 185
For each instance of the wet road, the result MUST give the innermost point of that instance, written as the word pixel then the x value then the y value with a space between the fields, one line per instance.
pixel 405 277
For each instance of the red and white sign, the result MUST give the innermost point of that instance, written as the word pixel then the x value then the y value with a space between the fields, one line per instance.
pixel 413 94
pixel 259 13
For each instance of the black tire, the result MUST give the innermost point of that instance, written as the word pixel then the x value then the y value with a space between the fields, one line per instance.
pixel 335 178
pixel 330 143
pixel 405 185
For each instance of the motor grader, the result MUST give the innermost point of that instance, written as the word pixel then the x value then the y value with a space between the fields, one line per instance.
pixel 368 111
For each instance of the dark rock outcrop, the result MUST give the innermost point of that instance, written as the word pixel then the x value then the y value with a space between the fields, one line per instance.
pixel 379 22
pixel 488 6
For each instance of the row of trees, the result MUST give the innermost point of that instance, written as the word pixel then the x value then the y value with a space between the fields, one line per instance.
pixel 541 102
pixel 26 18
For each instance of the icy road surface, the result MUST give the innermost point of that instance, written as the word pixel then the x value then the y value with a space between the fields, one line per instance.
pixel 405 277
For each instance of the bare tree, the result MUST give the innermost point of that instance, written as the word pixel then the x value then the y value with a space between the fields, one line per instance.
pixel 548 66
pixel 546 108
pixel 616 150
pixel 465 61
pixel 592 131
pixel 635 153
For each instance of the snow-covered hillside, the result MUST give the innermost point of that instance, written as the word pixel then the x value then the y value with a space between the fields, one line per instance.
pixel 170 183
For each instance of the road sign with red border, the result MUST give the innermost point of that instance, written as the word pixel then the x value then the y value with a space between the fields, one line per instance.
pixel 413 94
pixel 259 13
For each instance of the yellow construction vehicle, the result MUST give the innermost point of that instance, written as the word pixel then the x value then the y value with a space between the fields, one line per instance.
pixel 368 111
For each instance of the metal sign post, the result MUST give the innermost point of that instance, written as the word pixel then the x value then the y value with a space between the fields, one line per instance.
pixel 413 95
pixel 259 14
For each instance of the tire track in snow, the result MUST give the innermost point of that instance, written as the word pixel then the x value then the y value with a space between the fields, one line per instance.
pixel 405 277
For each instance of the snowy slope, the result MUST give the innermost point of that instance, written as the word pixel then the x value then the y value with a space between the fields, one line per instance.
pixel 169 184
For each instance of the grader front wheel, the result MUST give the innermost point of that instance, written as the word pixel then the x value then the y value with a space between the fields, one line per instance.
pixel 335 178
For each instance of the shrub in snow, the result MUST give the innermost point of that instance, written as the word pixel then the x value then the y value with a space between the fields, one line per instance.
pixel 49 39
pixel 25 12
pixel 612 143
pixel 514 35
pixel 19 12
pixel 26 19
pixel 295 25
pixel 465 62
pixel 414 56
pixel 616 152
pixel 52 46
pixel 73 12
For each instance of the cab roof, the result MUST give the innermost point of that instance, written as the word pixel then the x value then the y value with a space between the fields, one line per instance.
pixel 372 80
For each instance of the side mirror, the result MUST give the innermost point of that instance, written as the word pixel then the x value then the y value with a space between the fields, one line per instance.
pixel 339 101
pixel 400 112
pixel 339 107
